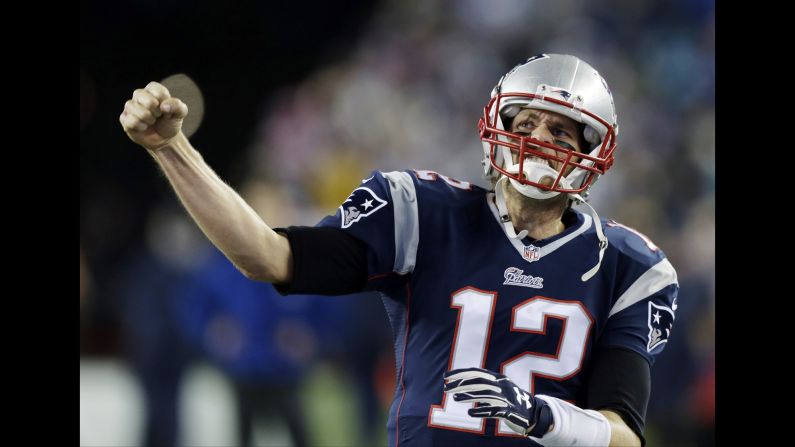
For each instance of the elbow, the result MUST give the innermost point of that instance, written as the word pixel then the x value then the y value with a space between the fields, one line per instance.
pixel 255 274
pixel 262 273
pixel 249 274
pixel 274 268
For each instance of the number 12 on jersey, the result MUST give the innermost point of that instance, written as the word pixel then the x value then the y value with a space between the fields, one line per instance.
pixel 471 340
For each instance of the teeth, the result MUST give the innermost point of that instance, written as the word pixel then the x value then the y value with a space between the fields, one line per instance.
pixel 538 160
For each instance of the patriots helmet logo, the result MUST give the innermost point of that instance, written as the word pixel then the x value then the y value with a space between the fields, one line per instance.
pixel 563 93
pixel 361 203
pixel 661 321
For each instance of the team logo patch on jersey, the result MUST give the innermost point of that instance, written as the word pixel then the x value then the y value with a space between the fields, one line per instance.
pixel 516 277
pixel 661 321
pixel 531 253
pixel 361 203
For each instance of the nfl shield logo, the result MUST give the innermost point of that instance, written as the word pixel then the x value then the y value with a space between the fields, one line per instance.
pixel 531 253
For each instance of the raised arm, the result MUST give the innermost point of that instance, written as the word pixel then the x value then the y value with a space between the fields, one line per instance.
pixel 153 120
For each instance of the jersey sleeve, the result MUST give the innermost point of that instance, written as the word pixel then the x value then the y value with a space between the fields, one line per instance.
pixel 382 213
pixel 642 317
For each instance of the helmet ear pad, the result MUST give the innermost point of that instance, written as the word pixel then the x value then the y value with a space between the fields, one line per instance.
pixel 508 113
pixel 591 136
pixel 584 137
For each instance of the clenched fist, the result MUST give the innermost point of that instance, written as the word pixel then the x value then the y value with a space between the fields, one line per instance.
pixel 152 117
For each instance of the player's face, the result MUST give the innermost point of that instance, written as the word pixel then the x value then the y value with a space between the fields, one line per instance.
pixel 549 127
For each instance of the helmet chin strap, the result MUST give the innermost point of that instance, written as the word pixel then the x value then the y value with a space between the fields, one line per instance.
pixel 532 191
pixel 534 172
pixel 599 234
pixel 505 219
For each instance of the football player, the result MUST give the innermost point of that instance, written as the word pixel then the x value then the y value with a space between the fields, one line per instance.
pixel 517 319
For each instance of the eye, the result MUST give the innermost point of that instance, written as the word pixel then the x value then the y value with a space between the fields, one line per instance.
pixel 558 132
pixel 528 124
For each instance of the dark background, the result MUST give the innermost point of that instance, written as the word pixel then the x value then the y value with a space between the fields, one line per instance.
pixel 238 52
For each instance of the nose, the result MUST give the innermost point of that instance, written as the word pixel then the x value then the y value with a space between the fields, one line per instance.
pixel 542 133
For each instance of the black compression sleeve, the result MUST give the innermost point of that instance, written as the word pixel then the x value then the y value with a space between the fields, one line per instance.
pixel 326 261
pixel 620 380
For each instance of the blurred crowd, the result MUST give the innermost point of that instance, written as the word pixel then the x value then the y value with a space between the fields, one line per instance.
pixel 408 95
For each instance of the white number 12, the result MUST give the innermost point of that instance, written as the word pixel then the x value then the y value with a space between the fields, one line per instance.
pixel 471 341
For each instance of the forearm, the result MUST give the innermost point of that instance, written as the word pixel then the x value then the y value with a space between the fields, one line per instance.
pixel 576 426
pixel 228 221
pixel 573 425
pixel 620 433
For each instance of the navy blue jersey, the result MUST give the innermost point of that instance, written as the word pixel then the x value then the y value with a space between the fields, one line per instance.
pixel 460 293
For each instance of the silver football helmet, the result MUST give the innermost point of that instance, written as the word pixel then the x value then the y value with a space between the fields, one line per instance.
pixel 557 83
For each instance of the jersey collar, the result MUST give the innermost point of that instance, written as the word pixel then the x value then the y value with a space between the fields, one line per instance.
pixel 550 244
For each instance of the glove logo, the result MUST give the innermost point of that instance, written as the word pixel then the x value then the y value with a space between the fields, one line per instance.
pixel 521 396
pixel 661 321
pixel 361 203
